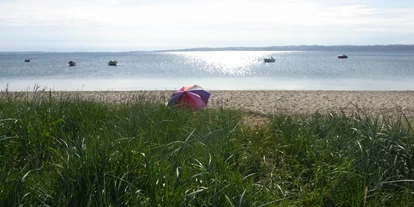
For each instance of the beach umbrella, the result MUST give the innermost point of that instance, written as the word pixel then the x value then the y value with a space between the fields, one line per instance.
pixel 192 96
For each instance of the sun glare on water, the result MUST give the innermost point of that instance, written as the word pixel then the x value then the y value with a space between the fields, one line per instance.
pixel 231 63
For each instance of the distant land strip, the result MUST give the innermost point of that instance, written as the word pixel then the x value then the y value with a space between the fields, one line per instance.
pixel 348 48
pixel 345 48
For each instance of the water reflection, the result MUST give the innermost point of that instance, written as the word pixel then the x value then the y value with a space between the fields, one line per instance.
pixel 227 63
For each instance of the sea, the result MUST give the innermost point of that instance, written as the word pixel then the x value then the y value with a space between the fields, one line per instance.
pixel 372 69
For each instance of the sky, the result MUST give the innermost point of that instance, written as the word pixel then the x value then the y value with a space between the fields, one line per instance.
pixel 132 25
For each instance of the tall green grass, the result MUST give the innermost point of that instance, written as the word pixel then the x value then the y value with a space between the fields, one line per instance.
pixel 72 152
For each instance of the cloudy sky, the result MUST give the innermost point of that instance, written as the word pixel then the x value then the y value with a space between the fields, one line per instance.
pixel 125 25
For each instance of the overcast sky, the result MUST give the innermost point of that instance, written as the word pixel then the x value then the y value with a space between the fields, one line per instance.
pixel 125 25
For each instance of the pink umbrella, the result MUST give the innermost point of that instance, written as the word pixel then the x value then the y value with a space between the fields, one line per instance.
pixel 193 97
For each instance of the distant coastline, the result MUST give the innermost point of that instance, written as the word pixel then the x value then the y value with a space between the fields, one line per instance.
pixel 396 47
pixel 348 48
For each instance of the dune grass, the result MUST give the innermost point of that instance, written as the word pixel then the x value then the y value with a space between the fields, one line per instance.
pixel 73 152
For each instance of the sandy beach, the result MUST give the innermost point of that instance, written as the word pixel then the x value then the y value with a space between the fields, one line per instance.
pixel 262 101
pixel 306 102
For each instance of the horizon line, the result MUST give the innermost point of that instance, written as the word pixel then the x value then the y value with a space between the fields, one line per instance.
pixel 216 48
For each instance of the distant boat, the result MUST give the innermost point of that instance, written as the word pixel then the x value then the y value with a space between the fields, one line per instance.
pixel 26 60
pixel 343 56
pixel 112 63
pixel 269 60
pixel 71 63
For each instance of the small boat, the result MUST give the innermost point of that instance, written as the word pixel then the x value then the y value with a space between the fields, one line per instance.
pixel 71 63
pixel 343 56
pixel 112 63
pixel 269 60
pixel 26 60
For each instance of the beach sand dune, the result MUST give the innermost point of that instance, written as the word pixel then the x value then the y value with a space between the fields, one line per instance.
pixel 262 101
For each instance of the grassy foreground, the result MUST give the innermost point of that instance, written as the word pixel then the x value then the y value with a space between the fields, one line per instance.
pixel 72 152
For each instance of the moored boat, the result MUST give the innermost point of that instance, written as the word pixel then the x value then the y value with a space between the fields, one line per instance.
pixel 112 63
pixel 71 63
pixel 269 60
pixel 343 56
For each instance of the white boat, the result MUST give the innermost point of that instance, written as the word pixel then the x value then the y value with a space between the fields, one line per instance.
pixel 269 60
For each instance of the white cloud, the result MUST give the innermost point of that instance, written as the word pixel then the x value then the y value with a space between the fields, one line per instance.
pixel 371 30
pixel 112 12
pixel 200 23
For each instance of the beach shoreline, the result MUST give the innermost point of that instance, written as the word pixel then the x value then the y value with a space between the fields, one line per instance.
pixel 267 102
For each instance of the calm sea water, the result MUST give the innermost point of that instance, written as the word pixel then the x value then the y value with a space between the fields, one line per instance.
pixel 213 70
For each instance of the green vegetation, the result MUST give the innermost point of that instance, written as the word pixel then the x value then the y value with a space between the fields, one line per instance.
pixel 72 152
